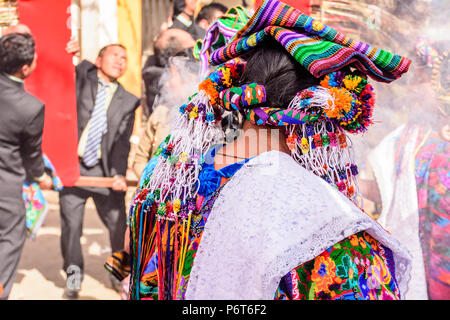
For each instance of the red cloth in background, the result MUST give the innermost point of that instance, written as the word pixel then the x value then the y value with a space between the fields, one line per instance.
pixel 53 82
pixel 302 5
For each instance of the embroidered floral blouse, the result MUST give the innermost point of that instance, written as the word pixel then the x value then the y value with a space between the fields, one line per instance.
pixel 355 268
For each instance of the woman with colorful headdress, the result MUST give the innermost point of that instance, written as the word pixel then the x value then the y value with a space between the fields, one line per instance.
pixel 283 219
pixel 411 168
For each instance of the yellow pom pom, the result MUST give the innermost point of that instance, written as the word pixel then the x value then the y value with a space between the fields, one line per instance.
pixel 183 157
pixel 342 101
pixel 351 83
pixel 193 113
pixel 177 205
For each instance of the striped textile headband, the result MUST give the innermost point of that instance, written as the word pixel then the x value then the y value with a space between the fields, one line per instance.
pixel 347 100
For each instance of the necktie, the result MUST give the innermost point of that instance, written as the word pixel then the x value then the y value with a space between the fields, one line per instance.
pixel 97 128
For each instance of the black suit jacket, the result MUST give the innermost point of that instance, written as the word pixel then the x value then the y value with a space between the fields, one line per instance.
pixel 21 126
pixel 115 144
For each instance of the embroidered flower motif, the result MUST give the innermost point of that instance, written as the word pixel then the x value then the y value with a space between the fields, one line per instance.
pixel 384 271
pixel 323 273
pixel 373 243
pixel 259 93
pixel 248 93
pixel 362 242
pixel 374 277
pixel 347 270
pixel 354 241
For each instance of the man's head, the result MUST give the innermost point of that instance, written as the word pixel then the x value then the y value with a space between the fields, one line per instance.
pixel 169 43
pixel 18 28
pixel 209 13
pixel 112 62
pixel 17 55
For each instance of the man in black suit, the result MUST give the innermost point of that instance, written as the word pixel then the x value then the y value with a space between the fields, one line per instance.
pixel 105 114
pixel 21 126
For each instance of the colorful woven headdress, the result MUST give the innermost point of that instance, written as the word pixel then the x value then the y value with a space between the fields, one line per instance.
pixel 319 48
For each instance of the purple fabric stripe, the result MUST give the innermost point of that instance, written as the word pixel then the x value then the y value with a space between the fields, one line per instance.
pixel 287 36
pixel 261 114
pixel 262 20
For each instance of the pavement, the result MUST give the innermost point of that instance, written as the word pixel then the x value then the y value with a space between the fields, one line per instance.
pixel 40 275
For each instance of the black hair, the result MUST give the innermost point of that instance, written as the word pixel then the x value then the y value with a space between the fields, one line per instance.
pixel 270 65
pixel 16 50
pixel 207 12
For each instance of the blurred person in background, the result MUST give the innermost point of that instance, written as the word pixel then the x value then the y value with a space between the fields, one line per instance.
pixel 167 44
pixel 21 128
pixel 209 13
pixel 185 20
pixel 411 174
pixel 105 115
pixel 18 28
pixel 171 85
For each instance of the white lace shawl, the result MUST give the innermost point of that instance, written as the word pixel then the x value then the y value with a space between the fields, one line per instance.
pixel 400 214
pixel 271 217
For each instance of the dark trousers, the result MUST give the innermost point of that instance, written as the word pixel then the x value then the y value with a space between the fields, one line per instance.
pixel 110 206
pixel 12 238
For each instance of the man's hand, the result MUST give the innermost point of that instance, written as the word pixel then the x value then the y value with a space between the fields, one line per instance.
pixel 46 183
pixel 119 183
pixel 73 47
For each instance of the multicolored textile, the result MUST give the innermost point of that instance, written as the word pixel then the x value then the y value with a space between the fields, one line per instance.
pixel 219 33
pixel 35 203
pixel 356 268
pixel 210 184
pixel 319 48
pixel 433 183
pixel 346 99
